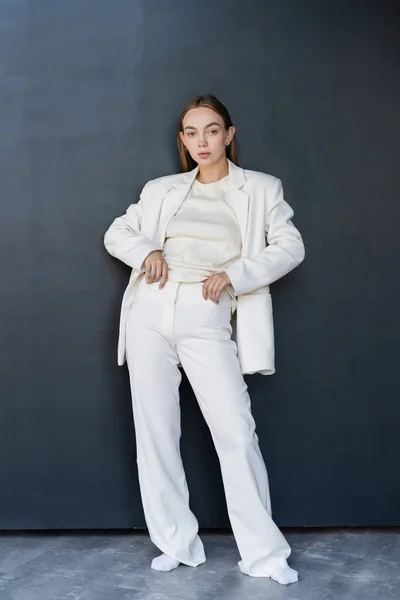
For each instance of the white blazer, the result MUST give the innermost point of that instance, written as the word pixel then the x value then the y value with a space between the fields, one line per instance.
pixel 271 247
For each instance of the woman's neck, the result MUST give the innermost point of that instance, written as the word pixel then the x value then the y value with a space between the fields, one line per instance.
pixel 215 172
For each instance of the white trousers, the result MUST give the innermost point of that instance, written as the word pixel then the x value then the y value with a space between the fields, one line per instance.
pixel 171 325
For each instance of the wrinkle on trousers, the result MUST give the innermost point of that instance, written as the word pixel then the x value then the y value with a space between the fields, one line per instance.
pixel 171 325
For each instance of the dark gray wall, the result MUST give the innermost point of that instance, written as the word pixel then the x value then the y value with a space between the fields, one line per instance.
pixel 90 95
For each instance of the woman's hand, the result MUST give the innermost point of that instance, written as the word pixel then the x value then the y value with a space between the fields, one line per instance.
pixel 213 285
pixel 156 267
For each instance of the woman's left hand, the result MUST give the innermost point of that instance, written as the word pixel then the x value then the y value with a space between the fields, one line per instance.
pixel 213 285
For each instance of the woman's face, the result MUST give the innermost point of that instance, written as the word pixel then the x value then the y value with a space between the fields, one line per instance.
pixel 204 132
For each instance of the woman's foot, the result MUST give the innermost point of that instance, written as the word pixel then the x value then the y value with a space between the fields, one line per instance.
pixel 285 575
pixel 164 563
pixel 281 572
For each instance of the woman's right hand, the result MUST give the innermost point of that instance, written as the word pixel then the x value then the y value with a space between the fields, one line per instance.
pixel 156 267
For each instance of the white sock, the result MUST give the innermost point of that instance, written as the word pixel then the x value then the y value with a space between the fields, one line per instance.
pixel 164 563
pixel 285 575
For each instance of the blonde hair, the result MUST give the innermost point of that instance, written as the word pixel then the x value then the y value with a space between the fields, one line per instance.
pixel 186 162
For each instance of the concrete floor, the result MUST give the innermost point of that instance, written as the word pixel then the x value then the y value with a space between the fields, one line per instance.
pixel 340 564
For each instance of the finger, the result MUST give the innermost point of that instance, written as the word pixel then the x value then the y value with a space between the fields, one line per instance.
pixel 216 293
pixel 158 272
pixel 150 273
pixel 153 271
pixel 164 275
pixel 209 289
pixel 204 289
pixel 219 291
pixel 219 288
pixel 212 289
pixel 209 292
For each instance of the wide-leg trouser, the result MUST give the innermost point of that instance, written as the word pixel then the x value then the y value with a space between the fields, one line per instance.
pixel 171 325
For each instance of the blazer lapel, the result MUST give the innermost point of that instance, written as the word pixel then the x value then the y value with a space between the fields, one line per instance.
pixel 173 198
pixel 179 189
pixel 239 199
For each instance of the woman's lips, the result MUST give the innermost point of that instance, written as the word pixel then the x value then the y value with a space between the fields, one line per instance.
pixel 203 154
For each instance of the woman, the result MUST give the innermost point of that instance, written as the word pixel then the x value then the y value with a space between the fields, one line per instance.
pixel 196 242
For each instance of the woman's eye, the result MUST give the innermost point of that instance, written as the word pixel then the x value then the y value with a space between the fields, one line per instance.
pixel 192 133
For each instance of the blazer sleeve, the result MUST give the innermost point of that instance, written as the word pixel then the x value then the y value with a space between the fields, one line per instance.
pixel 124 239
pixel 285 249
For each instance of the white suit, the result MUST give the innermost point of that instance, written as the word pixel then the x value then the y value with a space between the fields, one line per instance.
pixel 261 211
pixel 164 329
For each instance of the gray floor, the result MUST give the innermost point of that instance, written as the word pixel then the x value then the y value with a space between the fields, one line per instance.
pixel 361 564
